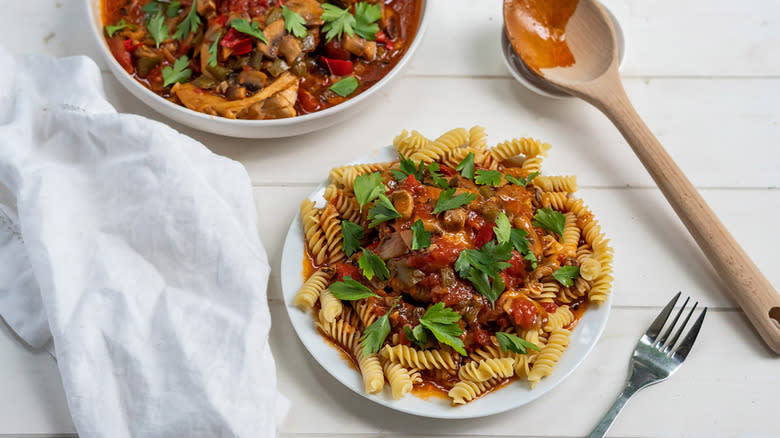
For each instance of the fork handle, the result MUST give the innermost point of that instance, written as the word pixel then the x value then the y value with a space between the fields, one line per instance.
pixel 606 421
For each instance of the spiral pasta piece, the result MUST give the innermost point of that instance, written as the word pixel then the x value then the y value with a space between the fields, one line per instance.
pixel 365 313
pixel 466 390
pixel 528 147
pixel 600 289
pixel 477 138
pixel 487 369
pixel 440 148
pixel 371 370
pixel 330 306
pixel 346 204
pixel 533 164
pixel 312 288
pixel 549 356
pixel 458 155
pixel 315 238
pixel 559 319
pixel 409 144
pixel 400 379
pixel 590 268
pixel 555 200
pixel 571 235
pixel 331 227
pixel 421 359
pixel 342 333
pixel 556 183
pixel 344 176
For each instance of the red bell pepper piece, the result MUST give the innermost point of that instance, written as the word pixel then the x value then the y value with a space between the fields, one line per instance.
pixel 239 43
pixel 390 45
pixel 485 235
pixel 381 37
pixel 130 46
pixel 338 67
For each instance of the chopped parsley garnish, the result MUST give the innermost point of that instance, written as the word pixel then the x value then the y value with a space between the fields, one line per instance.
pixel 372 265
pixel 503 228
pixel 481 282
pixel 180 72
pixel 490 259
pixel 448 202
pixel 111 29
pixel 350 290
pixel 466 166
pixel 346 86
pixel 417 335
pixel 375 334
pixel 339 21
pixel 293 22
pixel 550 219
pixel 249 28
pixel 420 238
pixel 488 177
pixel 352 234
pixel 408 168
pixel 520 181
pixel 382 211
pixel 173 8
pixel 442 322
pixel 510 342
pixel 190 23
pixel 368 187
pixel 366 16
pixel 213 51
pixel 520 242
pixel 438 180
pixel 566 275
pixel 157 28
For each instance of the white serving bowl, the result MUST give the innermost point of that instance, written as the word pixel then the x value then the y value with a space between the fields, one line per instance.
pixel 246 128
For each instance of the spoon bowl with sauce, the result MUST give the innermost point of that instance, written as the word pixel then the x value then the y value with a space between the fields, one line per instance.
pixel 571 46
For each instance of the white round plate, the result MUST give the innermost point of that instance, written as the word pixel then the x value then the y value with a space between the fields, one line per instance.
pixel 584 337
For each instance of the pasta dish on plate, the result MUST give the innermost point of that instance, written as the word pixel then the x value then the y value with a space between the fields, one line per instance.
pixel 458 268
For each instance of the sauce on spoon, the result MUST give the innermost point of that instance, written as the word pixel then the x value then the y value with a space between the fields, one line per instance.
pixel 537 31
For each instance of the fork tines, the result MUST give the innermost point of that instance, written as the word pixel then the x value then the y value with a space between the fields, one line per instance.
pixel 662 342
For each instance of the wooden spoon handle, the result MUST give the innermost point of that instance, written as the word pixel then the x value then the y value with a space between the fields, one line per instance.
pixel 750 288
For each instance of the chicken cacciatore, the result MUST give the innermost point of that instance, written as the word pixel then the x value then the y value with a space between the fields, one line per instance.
pixel 259 59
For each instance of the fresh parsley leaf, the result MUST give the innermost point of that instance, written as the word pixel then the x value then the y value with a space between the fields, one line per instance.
pixel 368 187
pixel 550 219
pixel 111 29
pixel 375 334
pixel 293 22
pixel 520 181
pixel 346 86
pixel 503 228
pixel 190 23
pixel 490 259
pixel 448 202
pixel 488 177
pixel 180 72
pixel 337 21
pixel 157 28
pixel 151 9
pixel 398 175
pixel 366 16
pixel 442 323
pixel 566 275
pixel 466 166
pixel 382 211
pixel 352 234
pixel 438 180
pixel 372 264
pixel 249 28
pixel 408 168
pixel 350 290
pixel 520 242
pixel 510 342
pixel 420 238
pixel 483 285
pixel 173 8
pixel 213 51
pixel 417 335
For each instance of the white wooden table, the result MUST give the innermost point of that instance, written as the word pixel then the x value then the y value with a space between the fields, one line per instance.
pixel 705 74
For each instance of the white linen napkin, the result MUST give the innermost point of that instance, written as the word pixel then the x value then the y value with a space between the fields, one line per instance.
pixel 134 249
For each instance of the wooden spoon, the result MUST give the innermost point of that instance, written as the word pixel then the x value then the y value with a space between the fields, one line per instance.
pixel 542 33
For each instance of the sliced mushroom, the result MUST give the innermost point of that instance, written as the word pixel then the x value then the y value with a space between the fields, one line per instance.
pixel 252 79
pixel 310 10
pixel 403 202
pixel 359 47
pixel 273 33
pixel 290 48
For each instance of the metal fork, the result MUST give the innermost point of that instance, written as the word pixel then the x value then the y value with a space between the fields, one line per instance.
pixel 654 358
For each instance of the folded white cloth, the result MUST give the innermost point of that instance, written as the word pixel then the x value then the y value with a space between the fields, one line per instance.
pixel 134 249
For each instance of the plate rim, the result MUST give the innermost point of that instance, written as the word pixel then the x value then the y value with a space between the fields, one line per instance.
pixel 292 261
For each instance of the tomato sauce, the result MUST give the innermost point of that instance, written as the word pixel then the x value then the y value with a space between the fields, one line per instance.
pixel 537 30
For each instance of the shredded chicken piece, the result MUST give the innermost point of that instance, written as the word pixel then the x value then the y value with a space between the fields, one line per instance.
pixel 290 48
pixel 196 99
pixel 310 10
pixel 278 106
pixel 359 47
